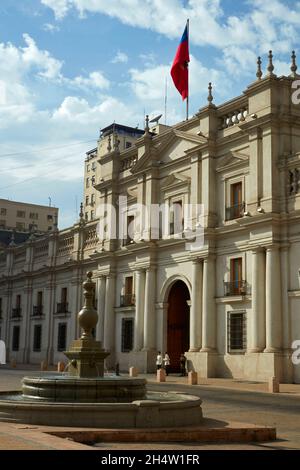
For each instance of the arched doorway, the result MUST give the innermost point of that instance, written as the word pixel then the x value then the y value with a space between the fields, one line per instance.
pixel 178 323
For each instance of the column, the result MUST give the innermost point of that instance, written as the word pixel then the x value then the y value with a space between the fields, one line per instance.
pixel 149 312
pixel 273 300
pixel 196 307
pixel 109 313
pixel 101 287
pixel 162 326
pixel 258 320
pixel 139 309
pixel 209 306
pixel 25 325
pixel 49 308
pixel 74 306
pixel 286 319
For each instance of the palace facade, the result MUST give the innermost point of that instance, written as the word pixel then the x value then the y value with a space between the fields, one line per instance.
pixel 231 303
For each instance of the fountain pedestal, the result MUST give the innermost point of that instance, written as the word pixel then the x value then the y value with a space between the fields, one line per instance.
pixel 86 358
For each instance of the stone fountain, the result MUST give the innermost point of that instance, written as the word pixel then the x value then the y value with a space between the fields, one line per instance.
pixel 85 397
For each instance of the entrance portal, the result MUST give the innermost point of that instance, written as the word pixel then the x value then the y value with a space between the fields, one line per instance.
pixel 178 323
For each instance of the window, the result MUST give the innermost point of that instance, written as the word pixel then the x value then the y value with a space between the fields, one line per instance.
pixel 39 298
pixel 34 215
pixel 62 306
pixel 87 200
pixel 130 230
pixel 2 223
pixel 128 298
pixel 20 225
pixel 16 338
pixel 37 338
pixel 21 214
pixel 94 166
pixel 92 198
pixel 92 215
pixel 64 294
pixel 18 301
pixel 236 265
pixel 86 216
pixel 128 145
pixel 0 307
pixel 237 334
pixel 62 337
pixel 88 167
pixel 128 285
pixel 237 206
pixel 49 217
pixel 127 334
pixel 49 227
pixel 176 218
pixel 87 182
pixel 3 211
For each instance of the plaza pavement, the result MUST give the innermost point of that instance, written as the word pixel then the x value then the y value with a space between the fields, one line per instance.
pixel 227 399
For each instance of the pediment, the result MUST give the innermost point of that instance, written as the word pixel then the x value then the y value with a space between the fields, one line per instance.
pixel 174 135
pixel 132 192
pixel 159 147
pixel 232 159
pixel 175 179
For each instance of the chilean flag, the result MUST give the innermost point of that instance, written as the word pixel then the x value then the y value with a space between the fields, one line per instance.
pixel 180 70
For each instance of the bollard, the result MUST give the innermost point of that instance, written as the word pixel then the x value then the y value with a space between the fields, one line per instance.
pixel 161 375
pixel 273 385
pixel 13 363
pixel 60 367
pixel 192 378
pixel 133 372
pixel 44 365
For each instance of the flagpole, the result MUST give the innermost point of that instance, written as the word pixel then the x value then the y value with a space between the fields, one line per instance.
pixel 187 98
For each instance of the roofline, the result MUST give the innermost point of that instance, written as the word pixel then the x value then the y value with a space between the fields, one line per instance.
pixel 123 127
pixel 28 204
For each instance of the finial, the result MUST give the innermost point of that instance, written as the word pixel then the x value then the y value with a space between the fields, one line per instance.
pixel 271 66
pixel 81 210
pixel 294 65
pixel 210 97
pixel 109 144
pixel 259 73
pixel 147 125
pixel 88 316
pixel 81 215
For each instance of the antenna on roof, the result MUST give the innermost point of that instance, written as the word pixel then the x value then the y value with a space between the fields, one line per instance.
pixel 156 119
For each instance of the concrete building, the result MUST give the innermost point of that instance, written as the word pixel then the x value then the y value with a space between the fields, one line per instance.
pixel 113 136
pixel 24 217
pixel 232 303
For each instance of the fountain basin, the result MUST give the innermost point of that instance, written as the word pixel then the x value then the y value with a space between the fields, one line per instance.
pixel 157 410
pixel 58 388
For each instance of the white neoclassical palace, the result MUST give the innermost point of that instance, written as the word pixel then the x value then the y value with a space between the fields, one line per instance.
pixel 231 303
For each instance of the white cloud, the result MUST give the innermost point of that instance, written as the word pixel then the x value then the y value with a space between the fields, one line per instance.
pixel 94 80
pixel 60 7
pixel 51 28
pixel 78 110
pixel 49 67
pixel 120 57
pixel 267 24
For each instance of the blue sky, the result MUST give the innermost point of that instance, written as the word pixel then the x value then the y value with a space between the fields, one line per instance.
pixel 70 67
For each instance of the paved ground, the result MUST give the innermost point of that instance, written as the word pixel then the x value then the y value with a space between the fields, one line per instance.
pixel 223 399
